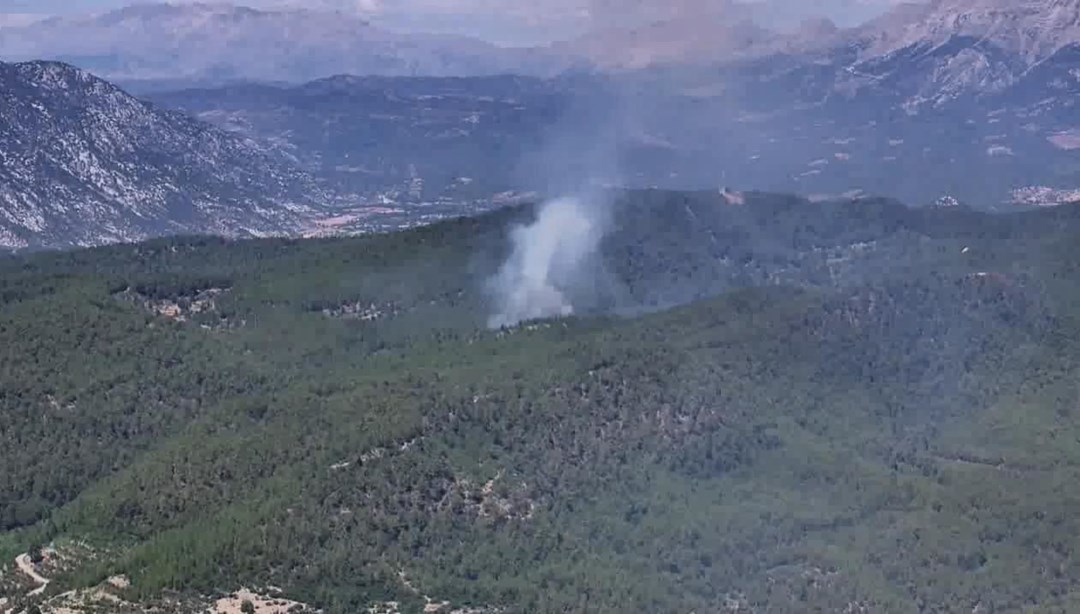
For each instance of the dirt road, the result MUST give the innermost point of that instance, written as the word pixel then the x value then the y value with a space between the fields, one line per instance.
pixel 26 566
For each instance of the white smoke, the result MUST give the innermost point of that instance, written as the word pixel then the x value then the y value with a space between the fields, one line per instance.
pixel 549 256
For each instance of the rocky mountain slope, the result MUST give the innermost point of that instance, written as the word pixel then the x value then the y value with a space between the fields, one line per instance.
pixel 1032 29
pixel 947 50
pixel 82 163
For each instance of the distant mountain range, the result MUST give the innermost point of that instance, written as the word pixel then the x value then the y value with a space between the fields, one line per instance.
pixel 917 56
pixel 219 42
pixel 932 51
pixel 968 101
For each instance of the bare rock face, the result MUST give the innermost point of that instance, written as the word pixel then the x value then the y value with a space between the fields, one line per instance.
pixel 937 52
pixel 1031 29
pixel 84 163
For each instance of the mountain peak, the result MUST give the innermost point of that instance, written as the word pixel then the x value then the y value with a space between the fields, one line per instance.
pixel 47 68
pixel 58 77
pixel 1034 29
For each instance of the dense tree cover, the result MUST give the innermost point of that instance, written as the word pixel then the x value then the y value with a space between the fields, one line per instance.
pixel 871 407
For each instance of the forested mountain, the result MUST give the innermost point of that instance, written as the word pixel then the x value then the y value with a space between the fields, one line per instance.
pixel 84 163
pixel 764 404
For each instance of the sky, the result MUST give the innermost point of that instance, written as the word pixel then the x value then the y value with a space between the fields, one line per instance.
pixel 512 21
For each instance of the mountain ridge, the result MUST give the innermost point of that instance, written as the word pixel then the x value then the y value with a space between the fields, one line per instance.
pixel 227 42
pixel 994 43
pixel 1034 29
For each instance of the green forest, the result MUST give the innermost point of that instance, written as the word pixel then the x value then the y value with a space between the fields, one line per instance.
pixel 782 406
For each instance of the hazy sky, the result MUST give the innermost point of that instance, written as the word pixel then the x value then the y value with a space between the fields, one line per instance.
pixel 524 21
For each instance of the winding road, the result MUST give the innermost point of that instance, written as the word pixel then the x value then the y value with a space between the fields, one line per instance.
pixel 26 566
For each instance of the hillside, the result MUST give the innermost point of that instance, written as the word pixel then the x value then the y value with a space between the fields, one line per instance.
pixel 84 163
pixel 769 405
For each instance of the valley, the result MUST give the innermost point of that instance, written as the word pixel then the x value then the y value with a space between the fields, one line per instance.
pixel 470 138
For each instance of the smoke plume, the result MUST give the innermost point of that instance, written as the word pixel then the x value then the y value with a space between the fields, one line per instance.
pixel 550 258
